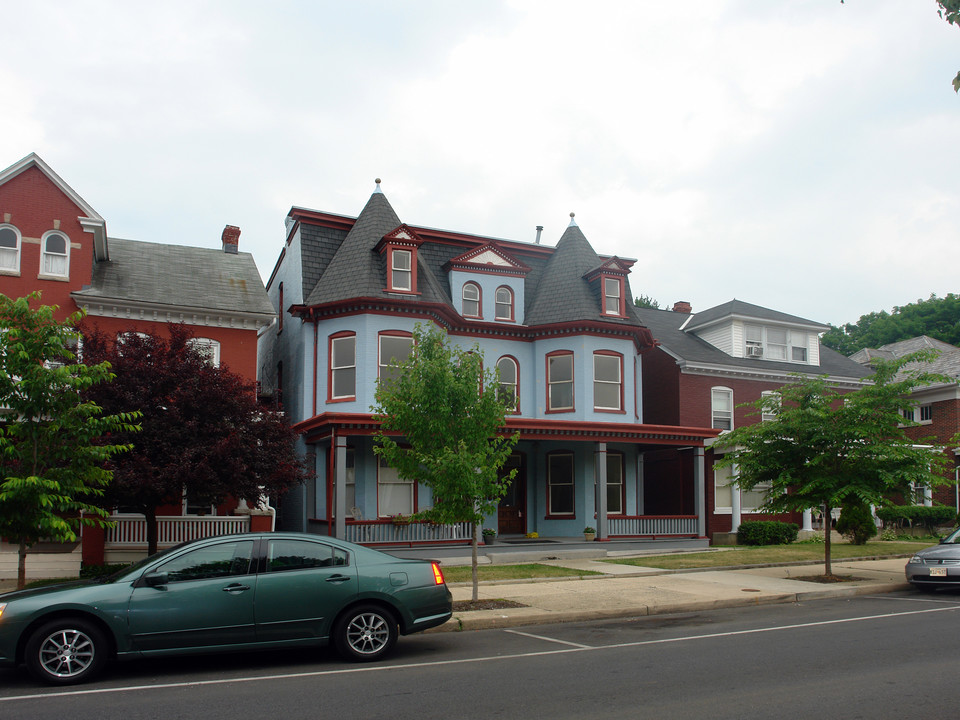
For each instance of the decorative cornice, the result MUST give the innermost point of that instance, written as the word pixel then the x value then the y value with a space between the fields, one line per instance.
pixel 155 312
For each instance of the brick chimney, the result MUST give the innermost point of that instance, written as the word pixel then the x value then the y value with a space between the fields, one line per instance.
pixel 682 306
pixel 231 239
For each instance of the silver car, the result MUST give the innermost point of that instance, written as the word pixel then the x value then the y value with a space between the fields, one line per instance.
pixel 937 566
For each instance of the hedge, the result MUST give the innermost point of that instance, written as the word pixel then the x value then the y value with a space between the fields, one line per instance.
pixel 767 532
pixel 930 517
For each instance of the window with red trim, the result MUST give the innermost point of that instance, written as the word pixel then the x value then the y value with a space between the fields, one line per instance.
pixel 560 484
pixel 607 381
pixel 612 295
pixel 471 300
pixel 503 301
pixel 343 366
pixel 401 269
pixel 394 348
pixel 560 381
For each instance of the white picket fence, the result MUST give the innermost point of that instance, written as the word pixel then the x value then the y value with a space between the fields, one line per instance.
pixel 131 530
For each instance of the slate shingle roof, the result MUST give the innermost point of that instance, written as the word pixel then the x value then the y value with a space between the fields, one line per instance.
pixel 179 276
pixel 745 309
pixel 685 345
pixel 946 363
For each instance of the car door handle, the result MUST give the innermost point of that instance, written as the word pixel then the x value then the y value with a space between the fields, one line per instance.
pixel 337 578
pixel 236 588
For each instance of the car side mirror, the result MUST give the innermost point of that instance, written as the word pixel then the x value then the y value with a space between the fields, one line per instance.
pixel 155 579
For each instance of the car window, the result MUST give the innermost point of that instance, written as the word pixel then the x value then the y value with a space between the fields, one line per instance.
pixel 301 554
pixel 211 561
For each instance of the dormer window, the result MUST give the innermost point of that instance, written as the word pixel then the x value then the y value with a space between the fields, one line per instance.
pixel 471 300
pixel 55 255
pixel 399 247
pixel 504 303
pixel 9 249
pixel 613 296
pixel 400 270
pixel 776 343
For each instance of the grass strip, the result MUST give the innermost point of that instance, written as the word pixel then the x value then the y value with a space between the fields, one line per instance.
pixel 463 573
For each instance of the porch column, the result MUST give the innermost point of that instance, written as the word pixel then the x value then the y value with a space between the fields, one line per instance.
pixel 699 492
pixel 340 485
pixel 734 499
pixel 600 501
pixel 807 519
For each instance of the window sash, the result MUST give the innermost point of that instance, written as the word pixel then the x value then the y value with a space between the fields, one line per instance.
pixel 722 409
pixel 611 295
pixel 560 382
pixel 560 494
pixel 607 382
pixel 615 483
pixel 394 494
pixel 471 300
pixel 394 349
pixel 343 366
pixel 508 381
pixel 503 304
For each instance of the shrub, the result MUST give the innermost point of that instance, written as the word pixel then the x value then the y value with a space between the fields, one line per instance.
pixel 767 532
pixel 928 517
pixel 856 523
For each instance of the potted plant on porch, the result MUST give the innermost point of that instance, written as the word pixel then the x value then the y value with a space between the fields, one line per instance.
pixel 489 536
pixel 589 534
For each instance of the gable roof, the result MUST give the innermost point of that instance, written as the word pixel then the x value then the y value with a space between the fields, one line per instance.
pixel 689 350
pixel 90 219
pixel 946 363
pixel 748 311
pixel 178 278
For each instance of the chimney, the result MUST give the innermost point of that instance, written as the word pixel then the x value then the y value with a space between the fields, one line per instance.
pixel 231 239
pixel 682 306
pixel 539 230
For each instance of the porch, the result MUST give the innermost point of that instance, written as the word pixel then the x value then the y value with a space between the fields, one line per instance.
pixel 127 539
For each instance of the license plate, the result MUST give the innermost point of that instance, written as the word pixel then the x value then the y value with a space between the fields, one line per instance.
pixel 938 572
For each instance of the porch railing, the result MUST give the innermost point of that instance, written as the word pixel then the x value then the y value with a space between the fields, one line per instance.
pixel 653 525
pixel 131 530
pixel 372 532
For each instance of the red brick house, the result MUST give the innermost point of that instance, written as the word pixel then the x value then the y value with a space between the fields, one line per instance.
pixel 53 241
pixel 706 365
pixel 936 409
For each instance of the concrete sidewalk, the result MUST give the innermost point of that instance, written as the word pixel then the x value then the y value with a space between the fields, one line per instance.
pixel 627 591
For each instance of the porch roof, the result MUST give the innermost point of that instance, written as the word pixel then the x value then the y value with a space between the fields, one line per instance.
pixel 326 425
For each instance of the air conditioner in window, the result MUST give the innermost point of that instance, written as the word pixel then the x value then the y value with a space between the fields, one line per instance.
pixel 754 351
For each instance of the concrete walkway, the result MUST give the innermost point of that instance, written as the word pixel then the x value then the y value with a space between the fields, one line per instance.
pixel 628 591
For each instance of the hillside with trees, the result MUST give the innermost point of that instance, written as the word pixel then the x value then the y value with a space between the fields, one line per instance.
pixel 938 318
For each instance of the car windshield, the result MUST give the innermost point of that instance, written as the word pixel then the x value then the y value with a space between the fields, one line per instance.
pixel 953 538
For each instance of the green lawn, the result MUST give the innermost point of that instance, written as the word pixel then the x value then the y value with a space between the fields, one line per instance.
pixel 773 554
pixel 463 573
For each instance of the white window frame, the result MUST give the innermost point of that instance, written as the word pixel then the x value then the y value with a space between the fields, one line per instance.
pixel 503 309
pixel 397 270
pixel 723 489
pixel 208 347
pixel 618 485
pixel 47 257
pixel 614 298
pixel 551 383
pixel 513 387
pixel 719 414
pixel 600 383
pixel 475 310
pixel 791 346
pixel 6 268
pixel 387 477
pixel 764 414
pixel 345 369
pixel 386 368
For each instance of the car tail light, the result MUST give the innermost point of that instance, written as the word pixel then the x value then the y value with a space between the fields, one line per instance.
pixel 438 574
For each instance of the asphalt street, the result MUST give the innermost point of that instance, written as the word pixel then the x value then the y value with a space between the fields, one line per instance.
pixel 876 656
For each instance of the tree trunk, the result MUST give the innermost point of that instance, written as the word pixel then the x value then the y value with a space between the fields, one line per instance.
pixel 151 519
pixel 473 559
pixel 22 565
pixel 827 531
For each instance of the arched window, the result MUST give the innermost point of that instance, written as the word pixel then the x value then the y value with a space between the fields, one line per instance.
pixel 721 407
pixel 504 303
pixel 9 249
pixel 471 300
pixel 509 382
pixel 55 255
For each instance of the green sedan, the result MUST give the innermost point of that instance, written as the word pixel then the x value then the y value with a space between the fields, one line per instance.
pixel 232 592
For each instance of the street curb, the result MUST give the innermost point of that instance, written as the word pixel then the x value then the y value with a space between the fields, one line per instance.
pixel 519 617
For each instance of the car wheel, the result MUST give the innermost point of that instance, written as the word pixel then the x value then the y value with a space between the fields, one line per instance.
pixel 366 632
pixel 66 651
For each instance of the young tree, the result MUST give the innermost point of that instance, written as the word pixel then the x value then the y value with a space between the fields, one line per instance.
pixel 203 432
pixel 825 449
pixel 450 413
pixel 52 440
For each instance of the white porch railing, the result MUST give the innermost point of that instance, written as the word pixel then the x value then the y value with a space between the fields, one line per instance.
pixel 131 530
pixel 372 532
pixel 653 525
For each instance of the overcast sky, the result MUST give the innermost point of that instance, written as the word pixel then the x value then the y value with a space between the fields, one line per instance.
pixel 801 155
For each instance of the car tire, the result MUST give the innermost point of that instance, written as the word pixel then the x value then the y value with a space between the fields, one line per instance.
pixel 365 633
pixel 66 651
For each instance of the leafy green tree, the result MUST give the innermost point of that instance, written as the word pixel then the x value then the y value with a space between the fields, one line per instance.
pixel 826 449
pixel 204 432
pixel 53 442
pixel 645 301
pixel 449 413
pixel 936 317
pixel 949 10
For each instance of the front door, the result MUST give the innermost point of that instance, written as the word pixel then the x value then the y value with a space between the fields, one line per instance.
pixel 511 514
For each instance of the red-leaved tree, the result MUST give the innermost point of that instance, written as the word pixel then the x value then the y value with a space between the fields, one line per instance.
pixel 203 431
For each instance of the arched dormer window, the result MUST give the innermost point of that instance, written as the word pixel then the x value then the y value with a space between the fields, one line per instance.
pixel 9 250
pixel 55 255
pixel 471 300
pixel 503 302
